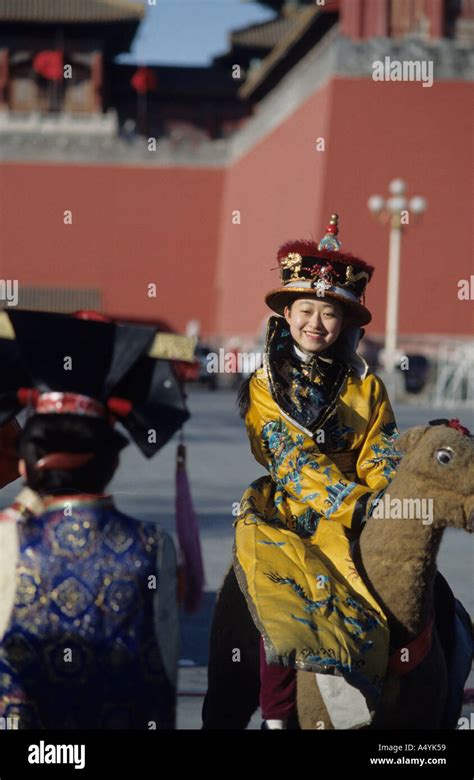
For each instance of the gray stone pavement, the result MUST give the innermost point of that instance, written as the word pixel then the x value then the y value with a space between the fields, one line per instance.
pixel 220 466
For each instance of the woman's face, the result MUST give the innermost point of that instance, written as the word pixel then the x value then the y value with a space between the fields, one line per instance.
pixel 315 323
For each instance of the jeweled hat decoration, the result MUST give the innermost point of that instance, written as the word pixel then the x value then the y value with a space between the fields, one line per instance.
pixel 322 270
pixel 330 241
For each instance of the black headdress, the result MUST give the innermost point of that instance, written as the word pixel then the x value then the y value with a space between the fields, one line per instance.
pixel 59 363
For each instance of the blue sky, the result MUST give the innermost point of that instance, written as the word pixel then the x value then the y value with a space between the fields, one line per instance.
pixel 190 32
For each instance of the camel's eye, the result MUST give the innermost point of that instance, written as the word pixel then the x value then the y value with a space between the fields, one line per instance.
pixel 444 456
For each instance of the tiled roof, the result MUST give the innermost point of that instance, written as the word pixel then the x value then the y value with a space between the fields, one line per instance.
pixel 69 11
pixel 264 35
pixel 302 23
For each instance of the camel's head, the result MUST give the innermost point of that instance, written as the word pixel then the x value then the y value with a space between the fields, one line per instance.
pixel 438 464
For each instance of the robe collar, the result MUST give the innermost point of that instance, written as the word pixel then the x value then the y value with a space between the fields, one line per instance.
pixel 305 390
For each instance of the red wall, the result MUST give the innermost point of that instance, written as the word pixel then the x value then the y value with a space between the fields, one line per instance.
pixel 131 227
pixel 173 226
pixel 279 189
pixel 374 132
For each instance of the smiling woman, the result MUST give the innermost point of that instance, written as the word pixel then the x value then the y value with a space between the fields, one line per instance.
pixel 314 324
pixel 323 427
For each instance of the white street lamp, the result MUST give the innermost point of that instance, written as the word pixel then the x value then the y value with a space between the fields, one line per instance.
pixel 417 205
pixel 397 209
pixel 397 187
pixel 376 204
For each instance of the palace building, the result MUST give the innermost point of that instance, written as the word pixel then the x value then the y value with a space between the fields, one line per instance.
pixel 186 180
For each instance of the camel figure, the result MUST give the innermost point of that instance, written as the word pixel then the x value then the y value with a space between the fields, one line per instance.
pixel 397 560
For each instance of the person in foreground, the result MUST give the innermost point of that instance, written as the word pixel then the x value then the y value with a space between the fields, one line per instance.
pixel 322 425
pixel 90 637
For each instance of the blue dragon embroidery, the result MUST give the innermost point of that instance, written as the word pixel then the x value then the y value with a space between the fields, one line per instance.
pixel 384 451
pixel 328 606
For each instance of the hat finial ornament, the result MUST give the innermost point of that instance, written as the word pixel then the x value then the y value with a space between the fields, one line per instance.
pixel 330 241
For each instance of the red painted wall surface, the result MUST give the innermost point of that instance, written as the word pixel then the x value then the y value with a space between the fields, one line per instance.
pixel 374 132
pixel 173 226
pixel 279 189
pixel 130 227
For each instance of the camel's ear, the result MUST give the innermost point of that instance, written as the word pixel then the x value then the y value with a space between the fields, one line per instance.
pixel 410 438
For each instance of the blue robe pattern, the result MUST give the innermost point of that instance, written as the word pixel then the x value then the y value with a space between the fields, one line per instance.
pixel 80 650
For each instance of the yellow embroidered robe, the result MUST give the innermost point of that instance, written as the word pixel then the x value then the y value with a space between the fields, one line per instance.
pixel 292 554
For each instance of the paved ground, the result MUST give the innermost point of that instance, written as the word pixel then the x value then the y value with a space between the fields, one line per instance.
pixel 220 467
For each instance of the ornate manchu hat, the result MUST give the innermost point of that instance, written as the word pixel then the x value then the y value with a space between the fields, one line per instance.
pixel 88 365
pixel 322 270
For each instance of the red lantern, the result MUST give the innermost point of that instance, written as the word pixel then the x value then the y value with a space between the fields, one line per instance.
pixel 49 64
pixel 143 81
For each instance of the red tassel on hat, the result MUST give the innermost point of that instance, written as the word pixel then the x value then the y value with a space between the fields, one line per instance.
pixel 191 579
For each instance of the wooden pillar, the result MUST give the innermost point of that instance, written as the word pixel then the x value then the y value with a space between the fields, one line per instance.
pixel 3 78
pixel 435 11
pixel 351 18
pixel 97 80
pixel 364 18
pixel 401 18
pixel 419 17
pixel 375 18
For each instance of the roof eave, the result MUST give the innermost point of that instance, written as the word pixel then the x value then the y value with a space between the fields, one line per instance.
pixel 279 52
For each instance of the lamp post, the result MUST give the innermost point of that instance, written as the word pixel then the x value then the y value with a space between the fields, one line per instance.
pixel 396 209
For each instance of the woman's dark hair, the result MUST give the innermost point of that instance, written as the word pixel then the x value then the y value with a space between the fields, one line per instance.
pixel 243 396
pixel 47 433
